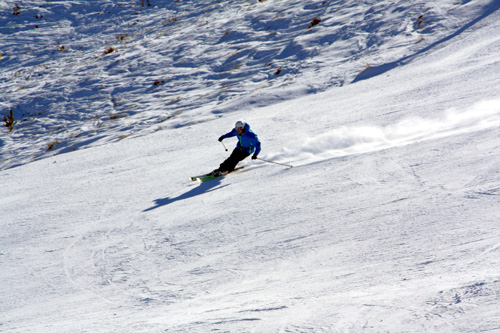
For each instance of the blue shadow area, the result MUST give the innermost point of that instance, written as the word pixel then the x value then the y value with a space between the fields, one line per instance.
pixel 203 188
pixel 378 70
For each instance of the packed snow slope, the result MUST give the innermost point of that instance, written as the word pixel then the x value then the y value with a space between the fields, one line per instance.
pixel 389 220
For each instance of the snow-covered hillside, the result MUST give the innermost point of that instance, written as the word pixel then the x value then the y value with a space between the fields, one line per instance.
pixel 388 221
pixel 82 73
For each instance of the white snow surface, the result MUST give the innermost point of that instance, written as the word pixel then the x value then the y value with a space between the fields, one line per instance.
pixel 389 220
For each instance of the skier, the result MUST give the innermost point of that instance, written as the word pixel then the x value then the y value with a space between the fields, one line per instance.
pixel 248 143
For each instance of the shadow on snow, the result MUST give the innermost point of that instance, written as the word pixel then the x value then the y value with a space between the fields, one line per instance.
pixel 201 189
pixel 378 70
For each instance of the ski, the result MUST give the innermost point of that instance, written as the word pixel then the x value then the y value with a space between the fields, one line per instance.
pixel 210 176
pixel 194 178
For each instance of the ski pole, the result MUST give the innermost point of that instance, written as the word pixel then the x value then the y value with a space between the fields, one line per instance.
pixel 287 165
pixel 224 145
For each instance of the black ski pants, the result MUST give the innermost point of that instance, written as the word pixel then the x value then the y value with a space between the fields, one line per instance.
pixel 236 156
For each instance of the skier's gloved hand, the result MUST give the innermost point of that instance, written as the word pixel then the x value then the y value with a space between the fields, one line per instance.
pixel 254 157
pixel 221 138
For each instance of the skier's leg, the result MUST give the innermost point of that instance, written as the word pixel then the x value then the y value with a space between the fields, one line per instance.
pixel 230 163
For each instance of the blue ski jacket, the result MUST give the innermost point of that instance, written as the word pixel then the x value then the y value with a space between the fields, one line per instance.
pixel 247 141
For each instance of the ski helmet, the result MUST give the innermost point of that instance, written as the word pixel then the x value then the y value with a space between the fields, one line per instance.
pixel 239 124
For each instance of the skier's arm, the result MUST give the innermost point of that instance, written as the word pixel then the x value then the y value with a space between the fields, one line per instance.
pixel 228 135
pixel 257 147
